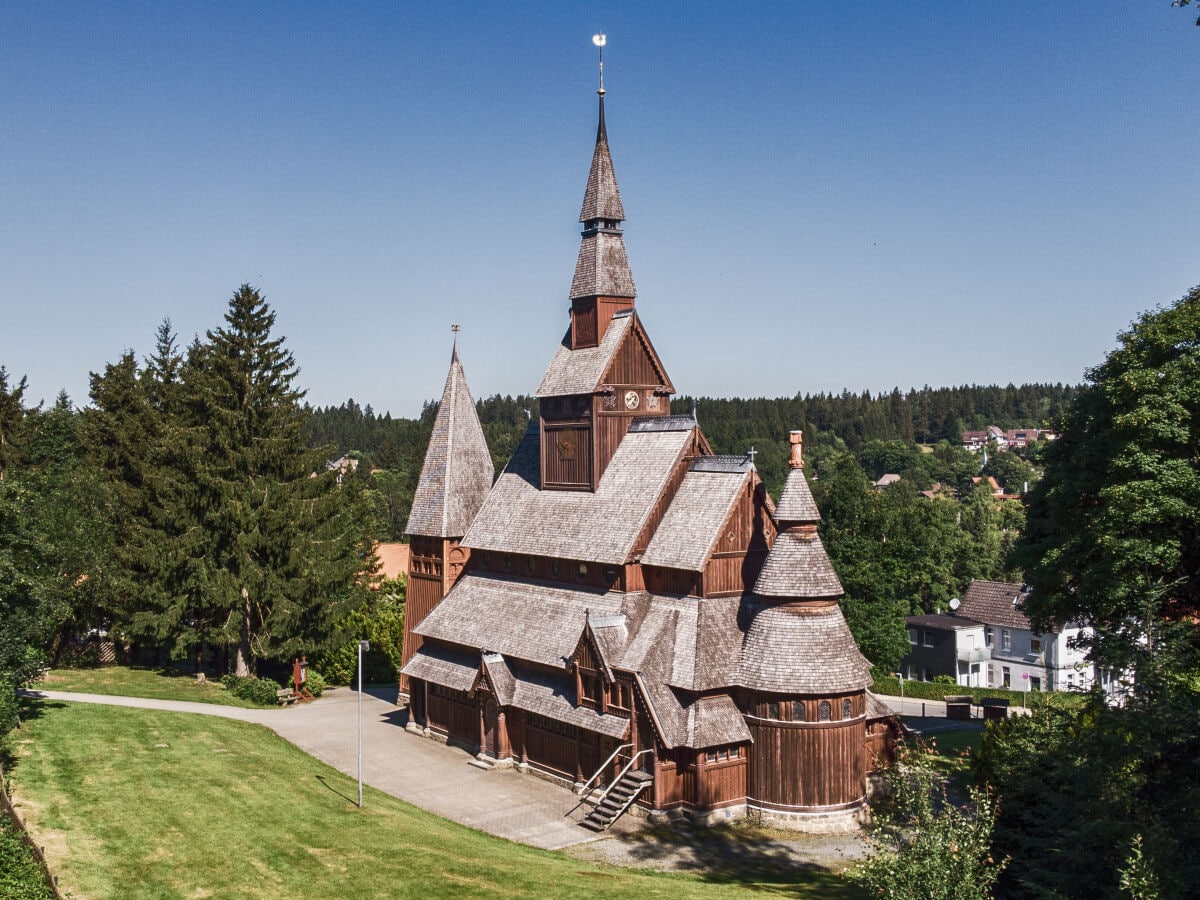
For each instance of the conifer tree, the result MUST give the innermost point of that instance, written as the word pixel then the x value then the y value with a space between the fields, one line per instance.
pixel 275 548
pixel 12 417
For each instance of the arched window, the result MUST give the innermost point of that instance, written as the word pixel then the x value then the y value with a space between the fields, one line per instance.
pixel 799 714
pixel 847 706
pixel 824 711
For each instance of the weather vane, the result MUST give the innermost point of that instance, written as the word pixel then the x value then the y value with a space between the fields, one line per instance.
pixel 600 40
pixel 454 328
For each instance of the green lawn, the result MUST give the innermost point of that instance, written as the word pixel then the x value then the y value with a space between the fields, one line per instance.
pixel 136 681
pixel 146 804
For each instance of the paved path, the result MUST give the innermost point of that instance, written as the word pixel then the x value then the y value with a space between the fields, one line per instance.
pixel 437 778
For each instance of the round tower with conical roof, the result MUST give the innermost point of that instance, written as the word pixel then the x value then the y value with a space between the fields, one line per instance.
pixel 804 680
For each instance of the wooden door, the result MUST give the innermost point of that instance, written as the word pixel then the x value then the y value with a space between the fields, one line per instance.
pixel 491 727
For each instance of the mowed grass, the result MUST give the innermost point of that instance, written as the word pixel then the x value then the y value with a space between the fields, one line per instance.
pixel 146 804
pixel 136 681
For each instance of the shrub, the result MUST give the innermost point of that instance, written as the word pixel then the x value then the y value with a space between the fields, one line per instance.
pixel 315 683
pixel 256 690
pixel 381 621
pixel 21 875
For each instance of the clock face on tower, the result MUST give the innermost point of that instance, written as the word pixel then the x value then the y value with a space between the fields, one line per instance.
pixel 632 399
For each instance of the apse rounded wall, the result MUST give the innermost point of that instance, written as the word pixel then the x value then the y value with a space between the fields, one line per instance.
pixel 809 753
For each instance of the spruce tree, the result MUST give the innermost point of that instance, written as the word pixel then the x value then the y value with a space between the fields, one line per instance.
pixel 272 548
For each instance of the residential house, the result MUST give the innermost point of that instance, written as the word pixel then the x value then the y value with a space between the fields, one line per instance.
pixel 988 641
pixel 950 645
pixel 1021 658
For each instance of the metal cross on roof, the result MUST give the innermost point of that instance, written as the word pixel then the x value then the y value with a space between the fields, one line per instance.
pixel 752 453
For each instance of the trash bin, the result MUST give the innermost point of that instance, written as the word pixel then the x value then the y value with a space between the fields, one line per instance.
pixel 994 707
pixel 958 706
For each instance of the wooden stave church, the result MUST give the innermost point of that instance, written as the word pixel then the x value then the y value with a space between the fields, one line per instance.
pixel 621 593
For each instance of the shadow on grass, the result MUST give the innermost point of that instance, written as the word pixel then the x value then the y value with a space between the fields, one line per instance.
pixel 328 786
pixel 742 856
pixel 29 709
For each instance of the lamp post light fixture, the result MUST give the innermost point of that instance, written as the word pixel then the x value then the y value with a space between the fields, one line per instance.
pixel 362 645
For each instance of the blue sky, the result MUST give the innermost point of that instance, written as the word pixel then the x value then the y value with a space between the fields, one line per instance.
pixel 820 196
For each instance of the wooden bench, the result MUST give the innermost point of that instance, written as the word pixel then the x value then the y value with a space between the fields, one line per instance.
pixel 286 697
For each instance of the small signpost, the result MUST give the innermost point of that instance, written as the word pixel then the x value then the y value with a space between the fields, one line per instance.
pixel 300 677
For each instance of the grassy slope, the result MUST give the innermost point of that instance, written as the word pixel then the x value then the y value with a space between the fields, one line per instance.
pixel 145 804
pixel 158 684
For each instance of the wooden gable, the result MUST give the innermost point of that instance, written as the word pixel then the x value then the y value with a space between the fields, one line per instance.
pixel 741 547
pixel 637 364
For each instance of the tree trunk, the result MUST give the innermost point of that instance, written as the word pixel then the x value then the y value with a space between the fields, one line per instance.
pixel 243 651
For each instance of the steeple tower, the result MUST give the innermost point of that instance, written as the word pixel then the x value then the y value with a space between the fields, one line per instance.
pixel 603 283
pixel 455 479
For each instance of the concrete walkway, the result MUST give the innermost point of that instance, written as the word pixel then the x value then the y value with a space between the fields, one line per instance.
pixel 432 776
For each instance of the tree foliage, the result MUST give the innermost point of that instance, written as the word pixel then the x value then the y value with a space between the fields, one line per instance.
pixel 1105 802
pixel 924 846
pixel 899 552
pixel 380 621
pixel 1113 535
pixel 230 529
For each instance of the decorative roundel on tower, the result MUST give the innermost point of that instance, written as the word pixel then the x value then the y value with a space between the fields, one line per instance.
pixel 632 399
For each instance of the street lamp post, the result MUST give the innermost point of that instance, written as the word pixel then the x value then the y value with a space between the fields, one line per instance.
pixel 362 645
pixel 900 675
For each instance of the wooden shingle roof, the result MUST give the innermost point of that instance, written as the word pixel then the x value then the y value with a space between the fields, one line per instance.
pixel 458 472
pixel 522 620
pixel 798 567
pixel 446 666
pixel 692 524
pixel 602 267
pixel 602 197
pixel 555 699
pixel 713 721
pixel 801 650
pixel 518 517
pixel 995 603
pixel 501 677
pixel 796 504
pixel 582 371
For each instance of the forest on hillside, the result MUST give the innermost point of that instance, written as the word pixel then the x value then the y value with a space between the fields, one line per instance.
pixel 882 431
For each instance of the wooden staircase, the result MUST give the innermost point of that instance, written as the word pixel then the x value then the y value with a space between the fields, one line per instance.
pixel 618 798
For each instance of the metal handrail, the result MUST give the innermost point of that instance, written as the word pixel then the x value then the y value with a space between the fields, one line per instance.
pixel 582 789
pixel 623 773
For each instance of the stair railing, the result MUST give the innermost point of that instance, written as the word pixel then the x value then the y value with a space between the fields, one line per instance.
pixel 624 772
pixel 583 789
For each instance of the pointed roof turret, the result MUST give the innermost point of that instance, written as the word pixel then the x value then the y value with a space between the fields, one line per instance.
pixel 797 568
pixel 458 471
pixel 603 266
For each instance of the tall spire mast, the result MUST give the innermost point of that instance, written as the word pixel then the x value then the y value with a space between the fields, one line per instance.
pixel 602 275
pixel 601 133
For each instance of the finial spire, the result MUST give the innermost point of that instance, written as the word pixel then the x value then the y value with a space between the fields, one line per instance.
pixel 454 353
pixel 600 40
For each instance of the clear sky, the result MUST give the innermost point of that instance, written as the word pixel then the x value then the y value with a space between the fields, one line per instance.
pixel 819 196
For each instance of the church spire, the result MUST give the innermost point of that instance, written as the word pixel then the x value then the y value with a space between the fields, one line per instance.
pixel 602 269
pixel 458 471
